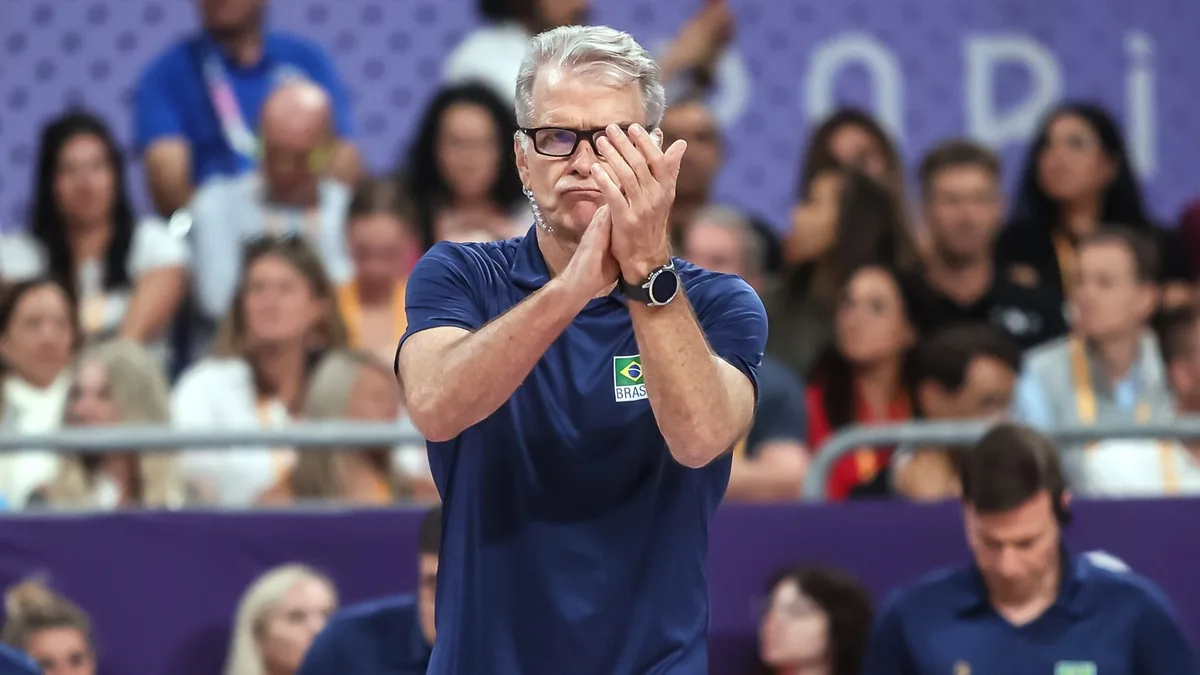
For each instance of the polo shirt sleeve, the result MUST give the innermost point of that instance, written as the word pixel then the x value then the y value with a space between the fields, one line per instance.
pixel 1160 646
pixel 328 654
pixel 157 112
pixel 887 649
pixel 733 321
pixel 441 291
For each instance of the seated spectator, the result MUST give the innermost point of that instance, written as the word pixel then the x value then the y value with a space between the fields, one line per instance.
pixel 1078 178
pixel 129 276
pixel 864 376
pixel 277 618
pixel 1155 468
pixel 1110 369
pixel 116 383
pixel 383 247
pixel 491 54
pixel 693 121
pixel 347 385
pixel 197 105
pixel 390 636
pixel 770 464
pixel 38 337
pixel 963 204
pixel 284 316
pixel 292 194
pixel 54 632
pixel 818 258
pixel 461 169
pixel 818 621
pixel 964 372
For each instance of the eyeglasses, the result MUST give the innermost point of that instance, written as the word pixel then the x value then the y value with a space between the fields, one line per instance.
pixel 562 142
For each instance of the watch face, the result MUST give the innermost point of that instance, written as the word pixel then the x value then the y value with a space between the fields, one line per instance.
pixel 663 286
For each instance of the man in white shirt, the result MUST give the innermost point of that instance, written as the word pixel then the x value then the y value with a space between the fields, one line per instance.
pixel 291 194
pixel 1156 468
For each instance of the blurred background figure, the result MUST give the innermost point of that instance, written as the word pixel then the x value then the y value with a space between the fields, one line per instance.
pixel 39 334
pixel 276 620
pixel 129 276
pixel 198 105
pixel 770 464
pixel 461 169
pixel 116 383
pixel 865 375
pixel 1078 178
pixel 291 195
pixel 384 245
pixel 817 621
pixel 283 316
pixel 390 636
pixel 51 629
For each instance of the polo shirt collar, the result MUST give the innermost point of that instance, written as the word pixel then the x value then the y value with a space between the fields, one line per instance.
pixel 530 272
pixel 973 598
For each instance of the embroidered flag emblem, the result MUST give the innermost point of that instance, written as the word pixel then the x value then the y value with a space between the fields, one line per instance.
pixel 628 384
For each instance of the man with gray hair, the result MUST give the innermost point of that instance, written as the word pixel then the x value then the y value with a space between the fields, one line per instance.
pixel 580 390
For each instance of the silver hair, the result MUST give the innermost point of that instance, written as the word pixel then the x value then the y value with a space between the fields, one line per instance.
pixel 754 249
pixel 599 50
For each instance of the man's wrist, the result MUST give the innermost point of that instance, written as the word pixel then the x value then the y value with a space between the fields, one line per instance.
pixel 637 273
pixel 570 296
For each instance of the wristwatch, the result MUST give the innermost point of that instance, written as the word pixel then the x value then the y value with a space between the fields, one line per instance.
pixel 659 289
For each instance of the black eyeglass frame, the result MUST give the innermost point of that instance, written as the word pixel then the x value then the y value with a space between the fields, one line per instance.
pixel 590 135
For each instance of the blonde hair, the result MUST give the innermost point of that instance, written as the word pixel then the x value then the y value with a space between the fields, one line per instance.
pixel 331 331
pixel 141 397
pixel 31 607
pixel 263 594
pixel 318 472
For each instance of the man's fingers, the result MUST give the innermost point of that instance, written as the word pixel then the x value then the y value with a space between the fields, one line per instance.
pixel 673 157
pixel 609 188
pixel 620 168
pixel 653 155
pixel 633 155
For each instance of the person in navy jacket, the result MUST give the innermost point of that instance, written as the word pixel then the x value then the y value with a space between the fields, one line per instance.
pixel 581 390
pixel 388 636
pixel 1027 604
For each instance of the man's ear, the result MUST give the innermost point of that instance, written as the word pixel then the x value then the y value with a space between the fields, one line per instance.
pixel 519 141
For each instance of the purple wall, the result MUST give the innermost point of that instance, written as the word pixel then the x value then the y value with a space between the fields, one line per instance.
pixel 162 588
pixel 944 67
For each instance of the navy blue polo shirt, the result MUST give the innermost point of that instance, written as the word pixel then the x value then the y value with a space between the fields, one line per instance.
pixel 14 662
pixel 572 541
pixel 1106 621
pixel 173 101
pixel 380 637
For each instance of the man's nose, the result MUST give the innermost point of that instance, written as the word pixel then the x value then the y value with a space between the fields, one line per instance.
pixel 583 159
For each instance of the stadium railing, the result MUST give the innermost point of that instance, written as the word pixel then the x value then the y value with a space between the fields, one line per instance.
pixel 938 434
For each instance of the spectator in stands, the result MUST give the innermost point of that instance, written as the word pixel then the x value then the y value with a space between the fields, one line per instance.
pixel 51 629
pixel 817 621
pixel 383 247
pixel 769 465
pixel 1077 178
pixel 1026 602
pixel 851 137
pixel 196 108
pixel 129 276
pixel 819 258
pixel 864 377
pixel 692 120
pixel 277 619
pixel 963 205
pixel 291 194
pixel 347 385
pixel 962 372
pixel 390 636
pixel 1155 468
pixel 461 169
pixel 116 383
pixel 1110 368
pixel 284 315
pixel 39 334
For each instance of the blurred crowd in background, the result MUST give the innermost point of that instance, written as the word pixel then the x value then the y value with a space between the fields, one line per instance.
pixel 267 286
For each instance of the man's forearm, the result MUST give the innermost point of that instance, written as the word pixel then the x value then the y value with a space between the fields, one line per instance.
pixel 697 412
pixel 471 378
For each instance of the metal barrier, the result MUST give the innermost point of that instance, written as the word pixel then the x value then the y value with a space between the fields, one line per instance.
pixel 966 433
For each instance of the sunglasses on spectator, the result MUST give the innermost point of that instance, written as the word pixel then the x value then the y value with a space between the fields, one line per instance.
pixel 562 142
